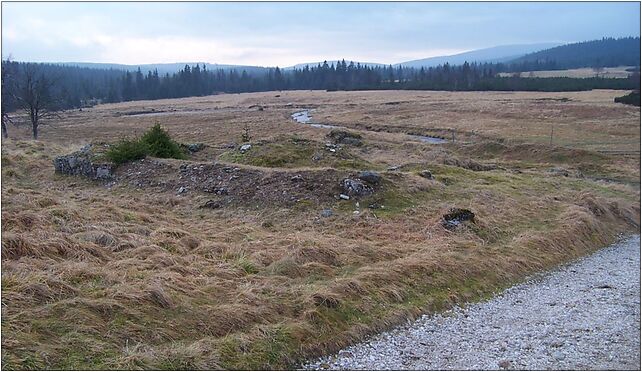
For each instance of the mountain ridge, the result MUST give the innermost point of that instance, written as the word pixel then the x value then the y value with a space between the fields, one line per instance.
pixel 496 54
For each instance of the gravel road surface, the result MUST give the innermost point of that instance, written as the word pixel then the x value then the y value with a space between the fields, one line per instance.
pixel 585 315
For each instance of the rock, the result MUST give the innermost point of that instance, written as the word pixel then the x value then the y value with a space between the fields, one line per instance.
pixel 104 172
pixel 344 197
pixel 245 147
pixel 426 174
pixel 83 163
pixel 356 187
pixel 212 204
pixel 372 178
pixel 352 141
pixel 558 355
pixel 559 171
pixel 181 190
pixel 195 147
pixel 220 191
pixel 456 216
pixel 326 213
pixel 504 364
pixel 343 136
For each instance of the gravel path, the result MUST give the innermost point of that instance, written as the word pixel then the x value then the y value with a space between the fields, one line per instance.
pixel 585 315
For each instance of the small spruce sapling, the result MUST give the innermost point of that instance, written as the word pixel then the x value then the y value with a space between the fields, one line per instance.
pixel 245 136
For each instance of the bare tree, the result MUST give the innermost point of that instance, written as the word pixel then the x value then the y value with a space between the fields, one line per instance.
pixel 35 96
pixel 7 97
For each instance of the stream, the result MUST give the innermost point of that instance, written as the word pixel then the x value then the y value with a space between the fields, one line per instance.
pixel 304 117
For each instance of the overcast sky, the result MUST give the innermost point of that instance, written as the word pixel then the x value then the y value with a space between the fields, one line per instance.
pixel 283 34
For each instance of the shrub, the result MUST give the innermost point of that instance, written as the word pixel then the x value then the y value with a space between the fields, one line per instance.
pixel 126 151
pixel 160 144
pixel 632 98
pixel 155 142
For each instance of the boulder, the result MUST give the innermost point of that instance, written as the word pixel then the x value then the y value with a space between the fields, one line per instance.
pixel 355 187
pixel 372 178
pixel 245 147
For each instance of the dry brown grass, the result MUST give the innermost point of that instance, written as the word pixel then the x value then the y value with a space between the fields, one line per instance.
pixel 137 277
pixel 607 72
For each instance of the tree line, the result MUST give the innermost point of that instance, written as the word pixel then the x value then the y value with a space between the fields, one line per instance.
pixel 42 89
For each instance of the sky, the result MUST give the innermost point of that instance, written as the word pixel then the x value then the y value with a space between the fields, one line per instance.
pixel 284 34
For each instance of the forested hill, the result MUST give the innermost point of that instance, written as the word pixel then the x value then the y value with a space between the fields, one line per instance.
pixel 70 87
pixel 607 52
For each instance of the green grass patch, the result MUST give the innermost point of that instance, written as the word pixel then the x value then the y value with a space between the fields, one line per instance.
pixel 294 152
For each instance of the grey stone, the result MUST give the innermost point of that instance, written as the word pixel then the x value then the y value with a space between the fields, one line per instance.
pixel 211 204
pixel 326 213
pixel 195 147
pixel 371 177
pixel 426 174
pixel 559 171
pixel 245 147
pixel 104 171
pixel 355 187
pixel 82 163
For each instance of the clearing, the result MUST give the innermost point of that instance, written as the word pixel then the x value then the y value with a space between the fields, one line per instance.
pixel 251 259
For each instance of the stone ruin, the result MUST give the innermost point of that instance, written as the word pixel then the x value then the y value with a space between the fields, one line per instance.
pixel 85 163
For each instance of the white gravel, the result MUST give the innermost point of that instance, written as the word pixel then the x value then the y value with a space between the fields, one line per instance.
pixel 582 316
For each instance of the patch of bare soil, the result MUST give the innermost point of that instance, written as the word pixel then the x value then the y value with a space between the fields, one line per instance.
pixel 232 185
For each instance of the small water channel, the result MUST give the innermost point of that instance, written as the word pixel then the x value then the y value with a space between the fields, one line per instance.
pixel 304 117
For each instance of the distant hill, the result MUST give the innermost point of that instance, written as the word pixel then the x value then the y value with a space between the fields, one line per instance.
pixel 163 68
pixel 315 64
pixel 496 54
pixel 608 52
